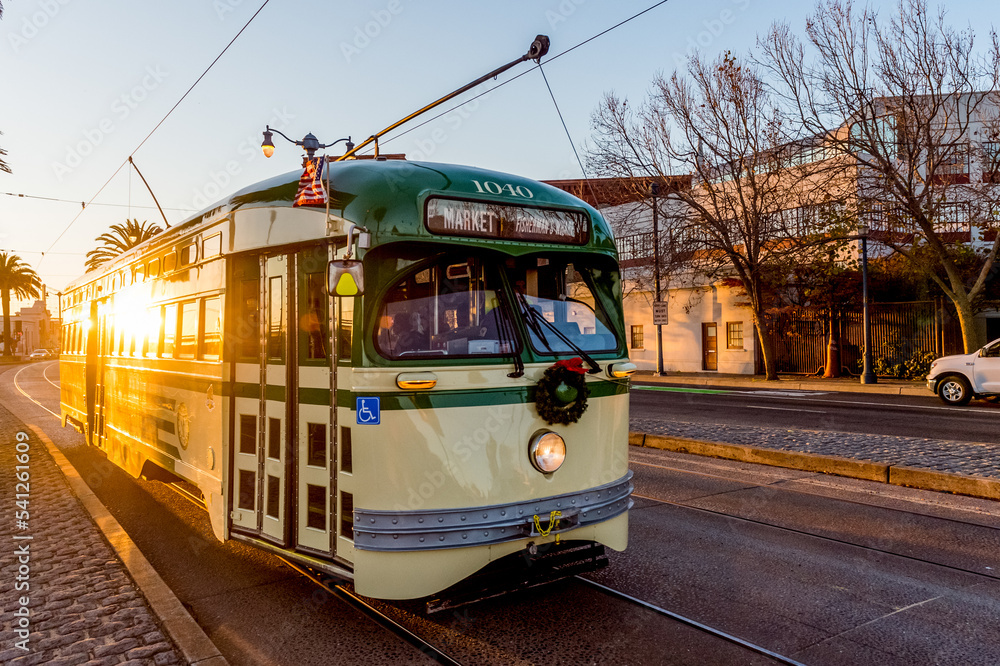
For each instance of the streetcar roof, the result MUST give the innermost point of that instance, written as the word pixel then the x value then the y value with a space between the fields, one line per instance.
pixel 387 197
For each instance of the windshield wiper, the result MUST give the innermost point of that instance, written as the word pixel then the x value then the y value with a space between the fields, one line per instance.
pixel 536 320
pixel 508 335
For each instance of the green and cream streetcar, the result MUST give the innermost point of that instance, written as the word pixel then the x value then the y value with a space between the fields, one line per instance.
pixel 423 379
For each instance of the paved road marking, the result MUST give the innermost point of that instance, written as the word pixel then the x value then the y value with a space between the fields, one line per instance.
pixel 784 409
pixel 681 389
pixel 24 393
pixel 789 394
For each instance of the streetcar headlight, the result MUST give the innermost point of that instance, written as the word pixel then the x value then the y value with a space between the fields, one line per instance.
pixel 547 451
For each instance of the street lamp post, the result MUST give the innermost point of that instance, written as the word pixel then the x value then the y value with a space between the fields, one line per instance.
pixel 654 189
pixel 309 142
pixel 868 375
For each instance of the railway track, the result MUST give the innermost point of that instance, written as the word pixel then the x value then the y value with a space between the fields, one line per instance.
pixel 995 575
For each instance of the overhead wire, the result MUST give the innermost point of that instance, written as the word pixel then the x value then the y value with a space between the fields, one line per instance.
pixel 162 120
pixel 515 78
pixel 84 204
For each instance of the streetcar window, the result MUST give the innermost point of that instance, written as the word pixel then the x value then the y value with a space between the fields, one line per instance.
pixel 248 434
pixel 212 335
pixel 248 489
pixel 274 438
pixel 273 495
pixel 189 254
pixel 188 344
pixel 247 329
pixel 347 515
pixel 169 262
pixel 154 322
pixel 154 268
pixel 211 246
pixel 316 440
pixel 275 319
pixel 345 329
pixel 169 333
pixel 314 321
pixel 557 305
pixel 450 309
pixel 316 503
pixel 140 272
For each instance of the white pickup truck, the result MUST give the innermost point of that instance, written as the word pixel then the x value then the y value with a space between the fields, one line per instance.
pixel 957 379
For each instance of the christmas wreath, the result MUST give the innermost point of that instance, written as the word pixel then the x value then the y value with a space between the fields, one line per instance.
pixel 562 392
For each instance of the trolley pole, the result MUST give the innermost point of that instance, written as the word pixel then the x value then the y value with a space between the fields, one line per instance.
pixel 654 189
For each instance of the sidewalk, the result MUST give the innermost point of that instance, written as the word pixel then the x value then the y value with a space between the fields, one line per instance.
pixel 966 468
pixel 789 383
pixel 69 596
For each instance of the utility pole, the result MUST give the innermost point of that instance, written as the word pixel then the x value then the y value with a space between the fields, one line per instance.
pixel 654 189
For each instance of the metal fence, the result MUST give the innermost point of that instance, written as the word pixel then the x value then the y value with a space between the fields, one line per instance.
pixel 799 336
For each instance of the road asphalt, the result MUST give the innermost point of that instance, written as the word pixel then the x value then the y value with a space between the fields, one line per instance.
pixel 65 630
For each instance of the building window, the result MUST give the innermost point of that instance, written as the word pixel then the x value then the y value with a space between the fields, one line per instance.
pixel 637 342
pixel 952 218
pixel 952 164
pixel 734 335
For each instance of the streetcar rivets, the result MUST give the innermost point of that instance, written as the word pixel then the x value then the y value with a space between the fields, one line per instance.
pixel 440 538
pixel 420 520
pixel 421 539
pixel 464 517
pixel 464 536
pixel 395 521
pixel 440 519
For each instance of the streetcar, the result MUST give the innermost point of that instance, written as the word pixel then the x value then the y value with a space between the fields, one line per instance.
pixel 422 382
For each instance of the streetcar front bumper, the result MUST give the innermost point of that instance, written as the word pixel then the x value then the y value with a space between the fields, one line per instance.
pixel 401 531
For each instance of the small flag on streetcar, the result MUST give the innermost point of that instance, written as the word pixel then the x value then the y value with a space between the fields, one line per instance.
pixel 311 192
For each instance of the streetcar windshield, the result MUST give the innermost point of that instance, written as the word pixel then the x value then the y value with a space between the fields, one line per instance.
pixel 558 306
pixel 452 308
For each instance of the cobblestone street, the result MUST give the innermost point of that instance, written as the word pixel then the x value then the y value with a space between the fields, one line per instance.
pixel 82 606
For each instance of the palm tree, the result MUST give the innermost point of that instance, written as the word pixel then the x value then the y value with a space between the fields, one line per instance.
pixel 121 238
pixel 19 279
pixel 3 165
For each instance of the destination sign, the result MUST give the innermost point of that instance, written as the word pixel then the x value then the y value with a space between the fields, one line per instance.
pixel 502 221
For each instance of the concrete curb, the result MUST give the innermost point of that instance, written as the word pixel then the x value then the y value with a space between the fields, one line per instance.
pixel 912 388
pixel 911 477
pixel 190 639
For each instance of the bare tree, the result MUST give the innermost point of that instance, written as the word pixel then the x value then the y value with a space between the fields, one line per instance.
pixel 719 122
pixel 910 101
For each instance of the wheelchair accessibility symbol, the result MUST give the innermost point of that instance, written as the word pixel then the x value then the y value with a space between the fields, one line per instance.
pixel 368 411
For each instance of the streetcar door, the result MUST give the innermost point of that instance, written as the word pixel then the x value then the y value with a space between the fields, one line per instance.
pixel 261 447
pixel 282 444
pixel 313 450
pixel 278 389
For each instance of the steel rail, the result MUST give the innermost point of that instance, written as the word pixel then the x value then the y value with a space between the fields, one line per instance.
pixel 374 614
pixel 691 623
pixel 802 491
pixel 830 539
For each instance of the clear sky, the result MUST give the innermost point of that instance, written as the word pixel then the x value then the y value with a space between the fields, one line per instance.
pixel 83 83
